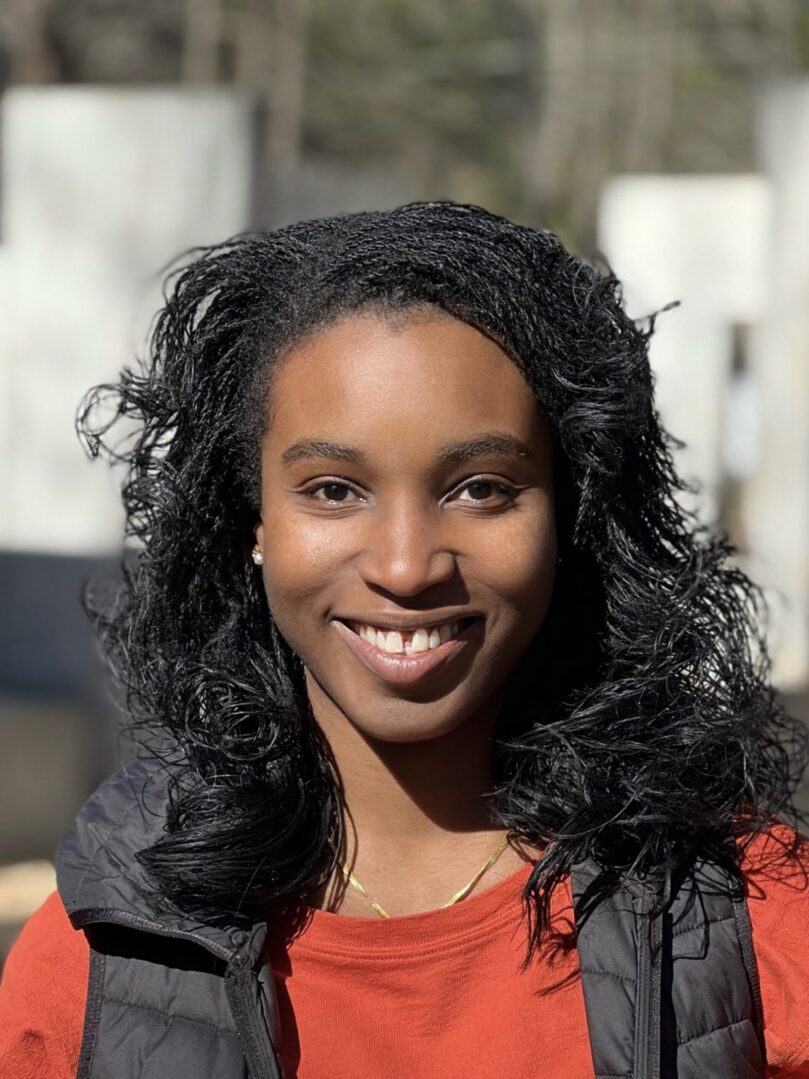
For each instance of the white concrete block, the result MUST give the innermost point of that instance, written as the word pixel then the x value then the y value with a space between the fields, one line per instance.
pixel 699 240
pixel 101 189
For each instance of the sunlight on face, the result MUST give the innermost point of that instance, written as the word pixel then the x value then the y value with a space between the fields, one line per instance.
pixel 406 488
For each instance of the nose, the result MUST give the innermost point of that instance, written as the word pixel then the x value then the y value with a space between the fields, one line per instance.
pixel 405 551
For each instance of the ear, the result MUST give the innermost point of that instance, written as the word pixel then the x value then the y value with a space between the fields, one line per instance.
pixel 259 534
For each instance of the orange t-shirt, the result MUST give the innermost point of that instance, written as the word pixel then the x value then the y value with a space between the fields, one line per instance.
pixel 435 994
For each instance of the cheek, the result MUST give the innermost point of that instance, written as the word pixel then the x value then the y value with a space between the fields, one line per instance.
pixel 521 553
pixel 519 568
pixel 300 559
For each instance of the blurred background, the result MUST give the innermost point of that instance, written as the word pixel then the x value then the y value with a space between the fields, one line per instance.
pixel 671 139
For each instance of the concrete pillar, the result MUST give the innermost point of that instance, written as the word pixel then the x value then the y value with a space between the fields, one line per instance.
pixel 775 502
pixel 101 188
pixel 733 250
pixel 699 240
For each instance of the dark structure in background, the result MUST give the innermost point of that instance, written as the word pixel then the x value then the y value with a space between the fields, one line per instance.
pixel 57 716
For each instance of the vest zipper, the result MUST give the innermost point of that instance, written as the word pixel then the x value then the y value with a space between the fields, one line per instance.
pixel 647 998
pixel 259 1052
pixel 744 931
pixel 92 1014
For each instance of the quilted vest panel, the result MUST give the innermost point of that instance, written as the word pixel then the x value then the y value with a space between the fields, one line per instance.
pixel 672 995
pixel 159 1007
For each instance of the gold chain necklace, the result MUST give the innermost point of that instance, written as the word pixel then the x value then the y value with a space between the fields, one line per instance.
pixel 458 895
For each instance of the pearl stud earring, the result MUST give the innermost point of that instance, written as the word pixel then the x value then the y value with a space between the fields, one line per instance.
pixel 258 557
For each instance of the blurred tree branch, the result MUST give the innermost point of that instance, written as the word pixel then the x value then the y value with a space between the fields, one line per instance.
pixel 524 105
pixel 202 40
pixel 25 30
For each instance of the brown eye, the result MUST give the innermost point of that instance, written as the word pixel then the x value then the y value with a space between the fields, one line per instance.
pixel 330 492
pixel 486 491
pixel 480 491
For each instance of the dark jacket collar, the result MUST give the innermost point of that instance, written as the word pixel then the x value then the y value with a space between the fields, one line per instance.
pixel 100 880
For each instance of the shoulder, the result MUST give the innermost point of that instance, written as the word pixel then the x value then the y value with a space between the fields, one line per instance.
pixel 776 869
pixel 42 996
pixel 775 864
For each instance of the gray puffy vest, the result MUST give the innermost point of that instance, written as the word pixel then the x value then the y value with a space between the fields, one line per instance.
pixel 674 996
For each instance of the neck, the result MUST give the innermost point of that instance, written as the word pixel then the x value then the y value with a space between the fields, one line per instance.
pixel 413 794
pixel 417 823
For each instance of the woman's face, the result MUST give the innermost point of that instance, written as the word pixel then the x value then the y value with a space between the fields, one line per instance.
pixel 406 488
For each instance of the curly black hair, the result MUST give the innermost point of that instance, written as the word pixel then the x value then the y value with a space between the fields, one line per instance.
pixel 641 726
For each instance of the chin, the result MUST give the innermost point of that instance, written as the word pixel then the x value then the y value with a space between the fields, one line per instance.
pixel 405 725
pixel 398 718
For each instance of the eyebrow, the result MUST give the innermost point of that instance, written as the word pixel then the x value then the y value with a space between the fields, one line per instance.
pixel 453 453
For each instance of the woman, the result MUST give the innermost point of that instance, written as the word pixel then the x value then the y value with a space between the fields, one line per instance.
pixel 460 754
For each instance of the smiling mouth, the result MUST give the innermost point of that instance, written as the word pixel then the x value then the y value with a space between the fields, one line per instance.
pixel 393 663
pixel 409 642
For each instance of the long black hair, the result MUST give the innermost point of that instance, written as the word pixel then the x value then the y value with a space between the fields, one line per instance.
pixel 641 725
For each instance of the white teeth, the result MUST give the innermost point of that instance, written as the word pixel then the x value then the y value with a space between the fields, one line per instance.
pixel 420 640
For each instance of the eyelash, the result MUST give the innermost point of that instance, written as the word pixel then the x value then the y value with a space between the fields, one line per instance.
pixel 504 489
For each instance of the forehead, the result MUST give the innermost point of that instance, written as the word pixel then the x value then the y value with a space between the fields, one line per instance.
pixel 368 374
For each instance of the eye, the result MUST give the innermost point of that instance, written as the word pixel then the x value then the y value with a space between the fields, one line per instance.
pixel 483 490
pixel 334 493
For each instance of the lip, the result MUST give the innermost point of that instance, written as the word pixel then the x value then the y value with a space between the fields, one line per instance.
pixel 399 669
